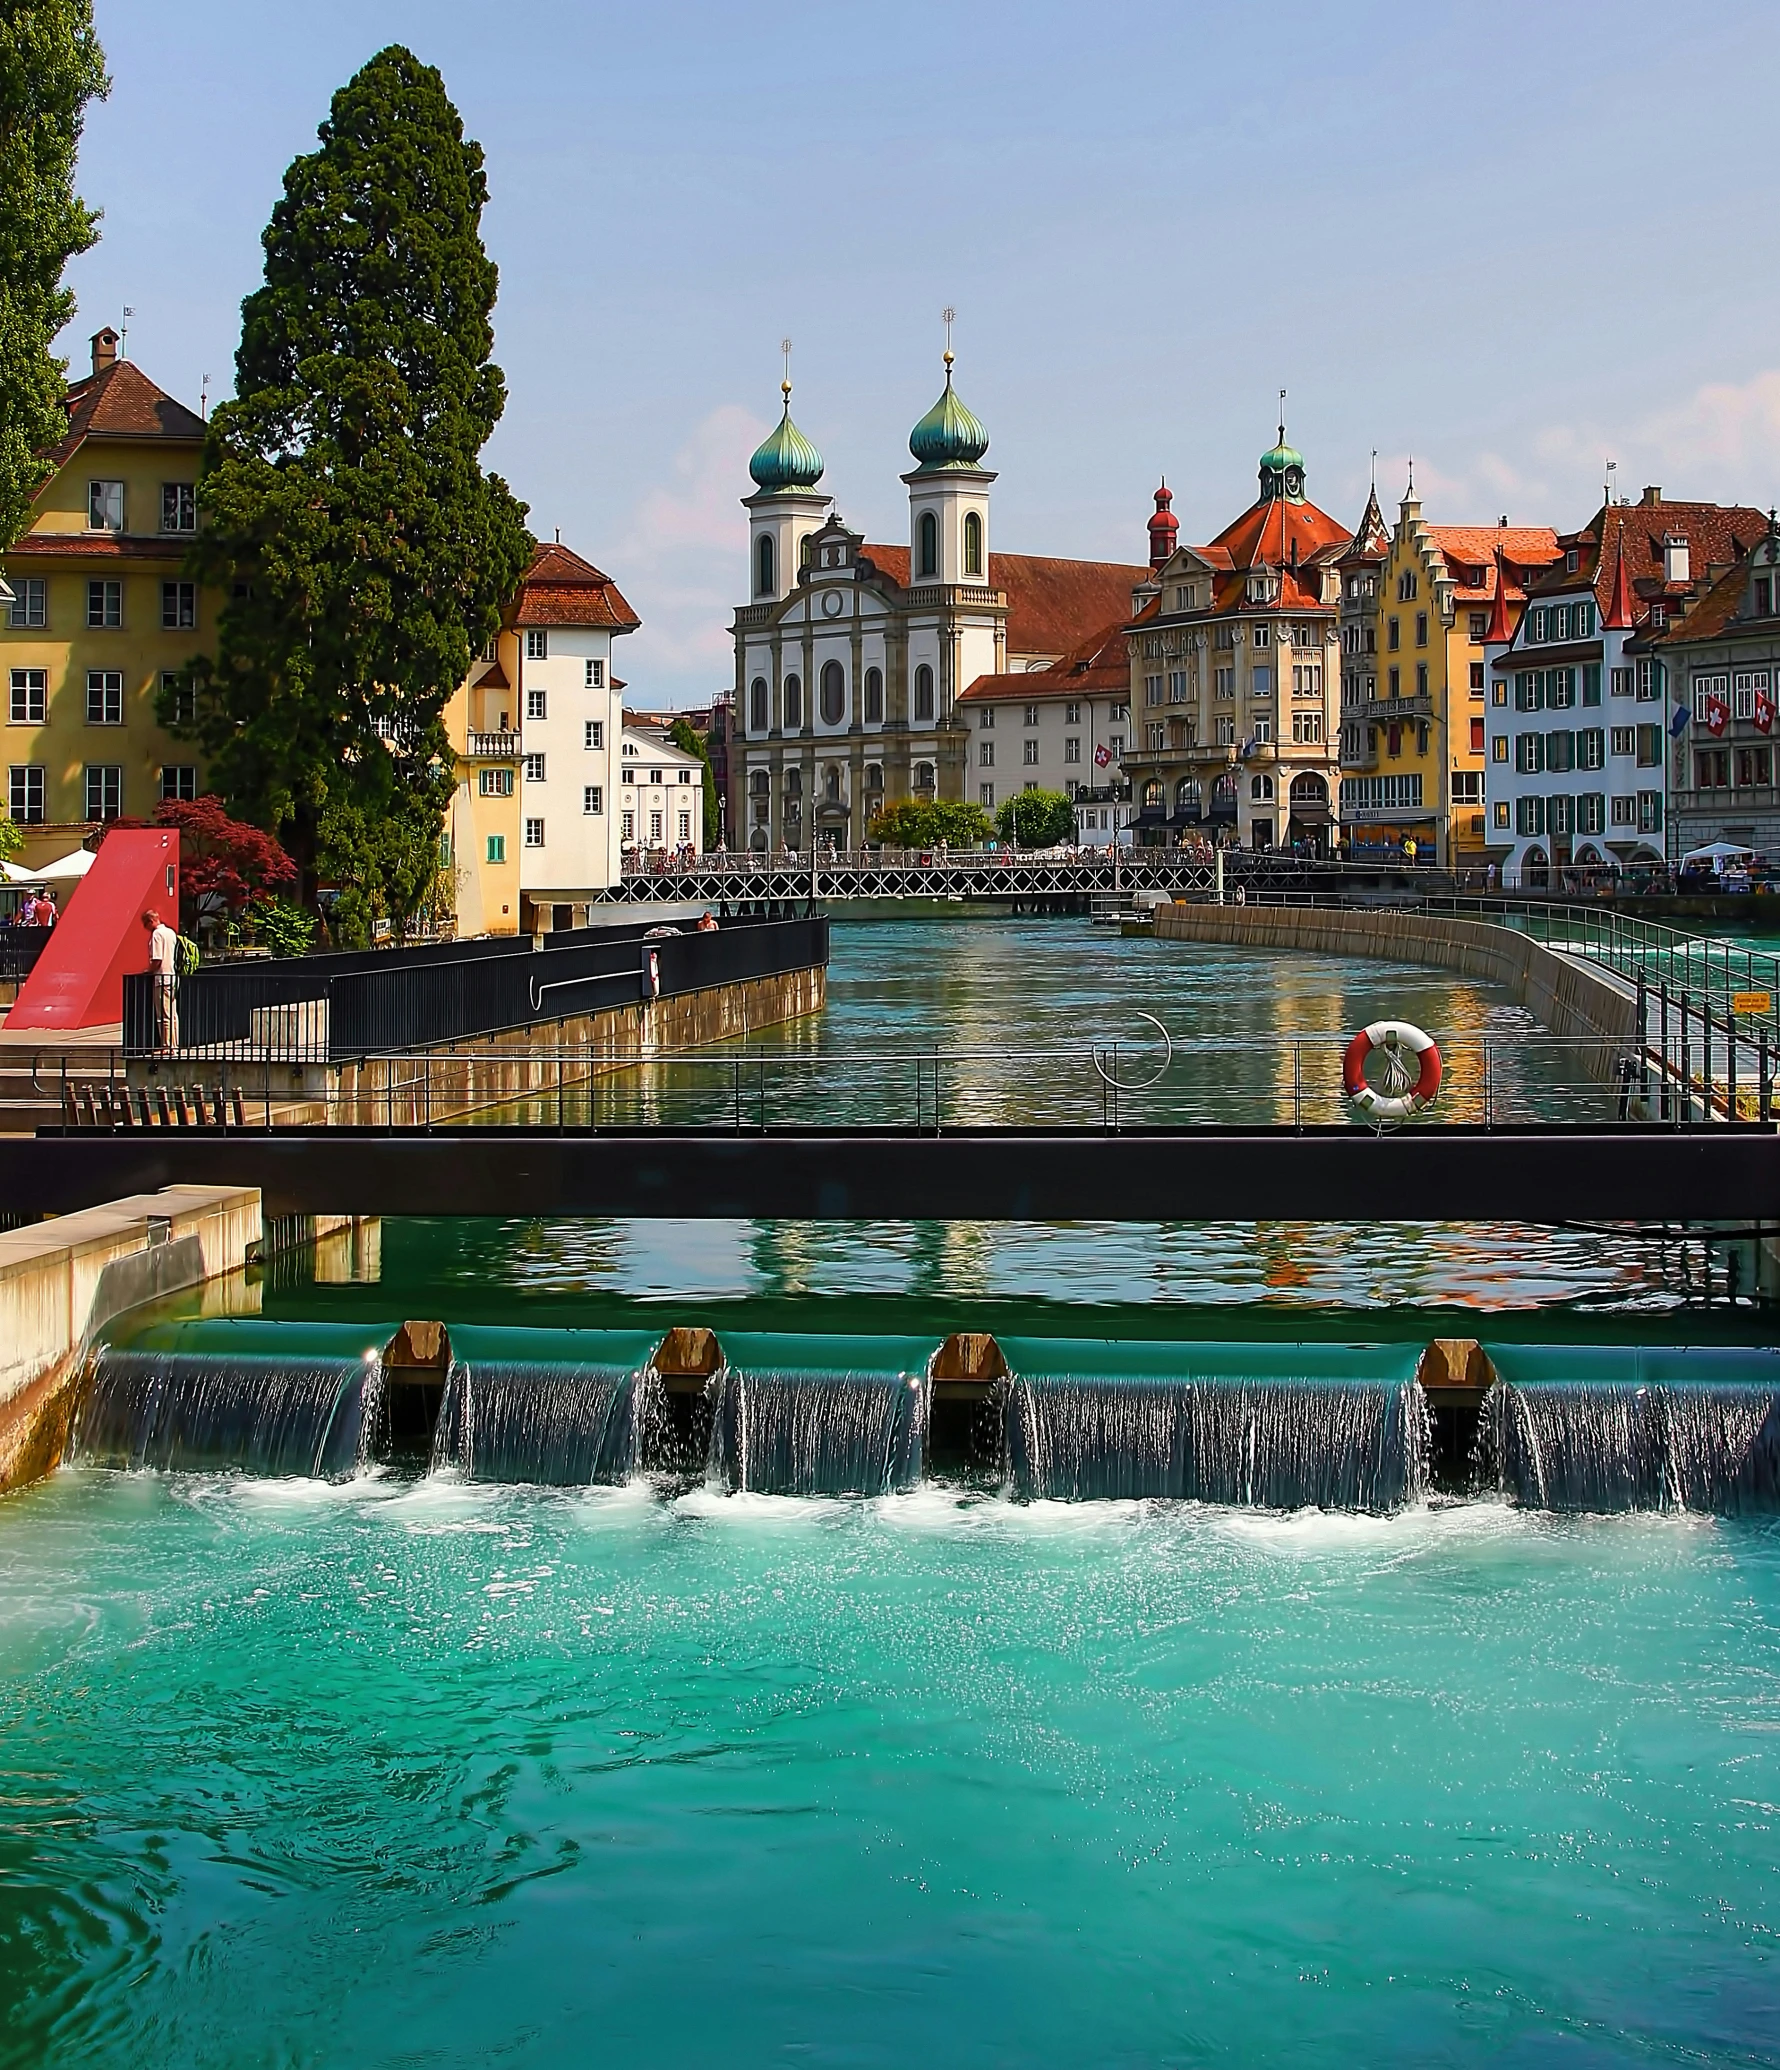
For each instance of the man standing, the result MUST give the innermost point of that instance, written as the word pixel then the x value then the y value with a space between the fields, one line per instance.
pixel 163 961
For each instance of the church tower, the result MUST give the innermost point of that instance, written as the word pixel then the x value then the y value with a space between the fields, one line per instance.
pixel 949 494
pixel 784 510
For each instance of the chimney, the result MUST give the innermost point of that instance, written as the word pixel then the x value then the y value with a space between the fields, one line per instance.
pixel 104 349
pixel 1652 498
pixel 1675 557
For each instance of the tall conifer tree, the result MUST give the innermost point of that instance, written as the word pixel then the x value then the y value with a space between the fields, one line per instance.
pixel 363 554
pixel 51 66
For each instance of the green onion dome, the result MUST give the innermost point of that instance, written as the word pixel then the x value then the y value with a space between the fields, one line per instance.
pixel 948 436
pixel 1282 471
pixel 786 460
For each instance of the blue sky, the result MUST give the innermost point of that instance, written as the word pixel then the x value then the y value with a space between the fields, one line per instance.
pixel 1513 240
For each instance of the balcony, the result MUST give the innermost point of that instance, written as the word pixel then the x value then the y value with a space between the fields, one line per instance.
pixel 492 747
pixel 1389 711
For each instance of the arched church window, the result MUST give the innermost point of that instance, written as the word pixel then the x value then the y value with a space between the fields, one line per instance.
pixel 759 783
pixel 794 783
pixel 763 566
pixel 874 696
pixel 923 692
pixel 759 716
pixel 923 776
pixel 793 703
pixel 833 693
pixel 927 534
pixel 831 784
pixel 803 551
pixel 874 776
pixel 973 543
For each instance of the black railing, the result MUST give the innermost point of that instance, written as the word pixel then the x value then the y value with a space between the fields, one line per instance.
pixel 20 948
pixel 326 1009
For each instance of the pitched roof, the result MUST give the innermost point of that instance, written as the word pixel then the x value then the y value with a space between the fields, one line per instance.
pixel 1099 666
pixel 1372 538
pixel 560 588
pixel 1722 607
pixel 1470 553
pixel 1715 533
pixel 120 401
pixel 1052 605
pixel 1271 528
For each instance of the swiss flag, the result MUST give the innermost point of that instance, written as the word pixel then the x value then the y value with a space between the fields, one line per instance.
pixel 1764 711
pixel 1718 715
pixel 1102 756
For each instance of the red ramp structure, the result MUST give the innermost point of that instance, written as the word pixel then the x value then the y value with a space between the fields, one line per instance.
pixel 79 978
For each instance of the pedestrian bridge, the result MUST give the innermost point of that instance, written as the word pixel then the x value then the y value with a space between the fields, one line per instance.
pixel 1006 877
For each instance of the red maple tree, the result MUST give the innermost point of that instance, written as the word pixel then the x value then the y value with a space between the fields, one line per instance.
pixel 222 861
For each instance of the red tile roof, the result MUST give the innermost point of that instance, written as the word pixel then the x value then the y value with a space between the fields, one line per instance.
pixel 1471 550
pixel 1269 529
pixel 1099 666
pixel 560 588
pixel 101 546
pixel 1714 532
pixel 120 401
pixel 1720 609
pixel 1052 605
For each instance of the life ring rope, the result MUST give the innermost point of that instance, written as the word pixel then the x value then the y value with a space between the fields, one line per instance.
pixel 1400 1041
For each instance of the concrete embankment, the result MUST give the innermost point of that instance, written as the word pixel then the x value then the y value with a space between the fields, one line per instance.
pixel 1567 995
pixel 62 1281
pixel 530 1063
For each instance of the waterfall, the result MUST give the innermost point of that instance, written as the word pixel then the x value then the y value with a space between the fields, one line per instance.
pixel 1698 1445
pixel 1269 1444
pixel 561 1425
pixel 182 1412
pixel 843 1433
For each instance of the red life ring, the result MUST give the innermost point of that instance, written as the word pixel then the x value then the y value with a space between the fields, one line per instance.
pixel 1399 1038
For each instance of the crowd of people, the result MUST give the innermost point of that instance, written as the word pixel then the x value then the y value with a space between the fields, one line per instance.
pixel 36 909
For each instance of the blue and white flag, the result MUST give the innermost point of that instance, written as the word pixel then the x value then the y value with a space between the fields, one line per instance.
pixel 1678 721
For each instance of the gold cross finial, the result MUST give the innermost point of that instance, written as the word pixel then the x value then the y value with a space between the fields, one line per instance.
pixel 949 316
pixel 785 385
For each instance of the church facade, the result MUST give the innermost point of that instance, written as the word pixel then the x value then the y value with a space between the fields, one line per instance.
pixel 851 658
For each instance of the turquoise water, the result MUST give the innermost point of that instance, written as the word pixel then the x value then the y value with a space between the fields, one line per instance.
pixel 431 1775
pixel 1019 1005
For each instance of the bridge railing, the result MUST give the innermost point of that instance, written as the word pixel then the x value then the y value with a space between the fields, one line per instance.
pixel 1507 1082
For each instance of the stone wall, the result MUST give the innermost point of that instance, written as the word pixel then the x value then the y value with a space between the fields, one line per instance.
pixel 62 1281
pixel 1569 996
pixel 530 1063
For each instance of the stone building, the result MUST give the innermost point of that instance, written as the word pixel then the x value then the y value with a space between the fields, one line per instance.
pixel 851 658
pixel 1234 662
pixel 1722 663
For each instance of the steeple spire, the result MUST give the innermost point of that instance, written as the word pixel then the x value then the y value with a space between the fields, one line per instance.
pixel 1499 631
pixel 1622 607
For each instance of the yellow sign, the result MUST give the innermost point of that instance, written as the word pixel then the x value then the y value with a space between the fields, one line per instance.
pixel 1752 1002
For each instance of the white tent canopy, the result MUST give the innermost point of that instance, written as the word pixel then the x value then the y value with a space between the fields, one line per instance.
pixel 14 875
pixel 65 868
pixel 1717 852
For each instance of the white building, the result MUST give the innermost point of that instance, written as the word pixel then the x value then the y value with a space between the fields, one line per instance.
pixel 1579 716
pixel 661 795
pixel 851 659
pixel 570 716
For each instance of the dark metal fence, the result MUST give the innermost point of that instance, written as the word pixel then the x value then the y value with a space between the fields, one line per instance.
pixel 327 1009
pixel 20 948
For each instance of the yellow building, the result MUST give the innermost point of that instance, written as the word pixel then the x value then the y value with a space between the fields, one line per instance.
pixel 103 615
pixel 1412 720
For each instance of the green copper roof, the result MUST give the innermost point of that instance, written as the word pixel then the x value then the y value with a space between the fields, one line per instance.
pixel 1281 457
pixel 1282 472
pixel 948 436
pixel 786 460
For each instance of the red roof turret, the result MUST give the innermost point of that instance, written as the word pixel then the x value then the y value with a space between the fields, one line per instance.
pixel 1500 632
pixel 1619 614
pixel 1164 529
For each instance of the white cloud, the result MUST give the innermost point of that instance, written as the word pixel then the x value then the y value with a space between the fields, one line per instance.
pixel 685 562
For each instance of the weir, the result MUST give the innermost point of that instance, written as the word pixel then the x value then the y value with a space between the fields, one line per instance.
pixel 1366 1428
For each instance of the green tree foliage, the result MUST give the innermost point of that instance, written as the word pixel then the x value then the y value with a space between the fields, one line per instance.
pixel 227 869
pixel 925 822
pixel 382 858
pixel 51 66
pixel 363 552
pixel 11 840
pixel 691 742
pixel 1036 819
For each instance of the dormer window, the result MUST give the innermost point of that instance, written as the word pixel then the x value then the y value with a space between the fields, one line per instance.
pixel 1572 560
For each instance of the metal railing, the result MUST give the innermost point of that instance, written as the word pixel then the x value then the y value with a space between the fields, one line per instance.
pixel 1512 1083
pixel 326 1010
pixel 20 948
